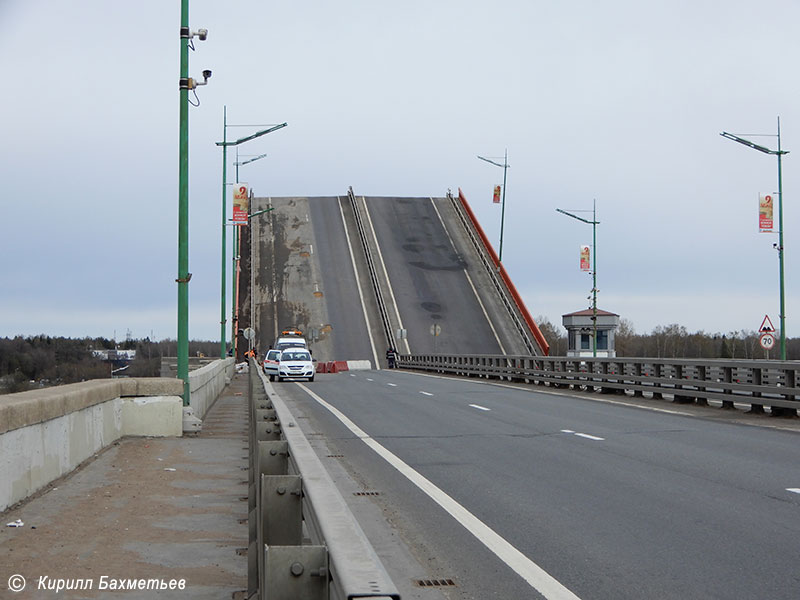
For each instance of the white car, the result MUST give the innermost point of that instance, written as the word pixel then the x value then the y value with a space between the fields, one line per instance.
pixel 295 363
pixel 271 363
pixel 290 342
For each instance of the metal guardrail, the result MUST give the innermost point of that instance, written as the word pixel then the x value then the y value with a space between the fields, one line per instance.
pixel 305 543
pixel 757 383
pixel 373 272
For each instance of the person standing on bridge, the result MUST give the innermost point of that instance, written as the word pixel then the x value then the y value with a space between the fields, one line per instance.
pixel 391 357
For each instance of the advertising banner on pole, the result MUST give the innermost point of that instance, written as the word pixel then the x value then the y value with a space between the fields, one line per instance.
pixel 765 208
pixel 240 203
pixel 585 262
pixel 496 197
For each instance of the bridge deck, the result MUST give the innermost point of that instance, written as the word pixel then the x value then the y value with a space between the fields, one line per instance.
pixel 128 515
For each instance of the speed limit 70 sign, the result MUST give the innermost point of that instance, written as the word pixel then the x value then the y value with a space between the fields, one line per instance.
pixel 767 341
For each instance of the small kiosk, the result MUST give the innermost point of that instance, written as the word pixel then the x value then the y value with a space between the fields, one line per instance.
pixel 580 330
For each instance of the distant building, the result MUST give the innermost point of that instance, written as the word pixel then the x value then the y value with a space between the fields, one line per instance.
pixel 115 355
pixel 580 330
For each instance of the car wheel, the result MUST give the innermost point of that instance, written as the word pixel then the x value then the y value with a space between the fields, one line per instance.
pixel 310 379
pixel 272 377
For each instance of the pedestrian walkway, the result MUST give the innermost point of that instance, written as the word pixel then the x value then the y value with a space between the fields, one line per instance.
pixel 146 513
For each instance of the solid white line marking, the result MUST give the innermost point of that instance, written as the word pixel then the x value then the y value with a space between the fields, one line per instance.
pixel 793 490
pixel 358 285
pixel 479 407
pixel 392 384
pixel 533 574
pixel 426 393
pixel 567 431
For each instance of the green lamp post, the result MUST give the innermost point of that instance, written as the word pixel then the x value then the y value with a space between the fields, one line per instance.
pixel 505 167
pixel 224 144
pixel 779 153
pixel 594 223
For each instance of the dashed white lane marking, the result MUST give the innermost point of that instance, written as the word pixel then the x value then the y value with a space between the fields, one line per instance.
pixel 479 407
pixel 583 435
pixel 590 437
pixel 539 579
pixel 370 379
pixel 793 490
pixel 392 384
pixel 426 393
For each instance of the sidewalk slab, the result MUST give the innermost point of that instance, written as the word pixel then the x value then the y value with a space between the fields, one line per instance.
pixel 146 512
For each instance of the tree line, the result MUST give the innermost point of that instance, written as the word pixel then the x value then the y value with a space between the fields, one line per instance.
pixel 675 341
pixel 40 361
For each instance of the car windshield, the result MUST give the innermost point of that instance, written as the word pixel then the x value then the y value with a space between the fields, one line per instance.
pixel 295 356
pixel 273 355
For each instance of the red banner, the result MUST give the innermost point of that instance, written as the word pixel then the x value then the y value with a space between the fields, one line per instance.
pixel 240 203
pixel 496 198
pixel 765 208
pixel 585 253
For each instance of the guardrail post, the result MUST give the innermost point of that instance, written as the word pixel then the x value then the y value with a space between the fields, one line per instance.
pixel 702 374
pixel 637 372
pixel 678 397
pixel 294 572
pixel 757 375
pixel 789 380
pixel 273 458
pixel 282 510
pixel 658 371
pixel 728 380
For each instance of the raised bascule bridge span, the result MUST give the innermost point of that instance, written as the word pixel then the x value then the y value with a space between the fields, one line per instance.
pixel 358 274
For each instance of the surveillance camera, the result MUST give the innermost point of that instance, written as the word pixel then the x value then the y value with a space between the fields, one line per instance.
pixel 207 74
pixel 202 34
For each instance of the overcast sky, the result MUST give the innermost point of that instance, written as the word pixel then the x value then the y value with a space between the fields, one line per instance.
pixel 620 101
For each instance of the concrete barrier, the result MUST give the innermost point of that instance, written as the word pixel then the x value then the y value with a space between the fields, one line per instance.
pixel 45 434
pixel 207 382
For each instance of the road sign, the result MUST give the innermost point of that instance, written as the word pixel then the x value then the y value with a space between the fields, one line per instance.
pixel 249 333
pixel 766 325
pixel 767 341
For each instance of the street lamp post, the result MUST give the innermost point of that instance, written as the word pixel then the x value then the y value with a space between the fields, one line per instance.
pixel 225 143
pixel 504 166
pixel 185 83
pixel 779 153
pixel 594 223
pixel 236 255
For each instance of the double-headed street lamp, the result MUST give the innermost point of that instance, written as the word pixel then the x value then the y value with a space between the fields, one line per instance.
pixel 594 223
pixel 779 153
pixel 504 166
pixel 225 143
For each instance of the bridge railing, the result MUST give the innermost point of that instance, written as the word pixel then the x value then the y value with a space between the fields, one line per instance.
pixel 757 383
pixel 305 543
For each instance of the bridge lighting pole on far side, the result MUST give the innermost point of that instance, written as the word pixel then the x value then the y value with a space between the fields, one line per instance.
pixel 505 167
pixel 779 246
pixel 224 144
pixel 594 223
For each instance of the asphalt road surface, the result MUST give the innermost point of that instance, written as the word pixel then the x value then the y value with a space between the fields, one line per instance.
pixel 598 500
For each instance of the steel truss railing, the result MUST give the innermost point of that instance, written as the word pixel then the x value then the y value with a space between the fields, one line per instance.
pixel 757 383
